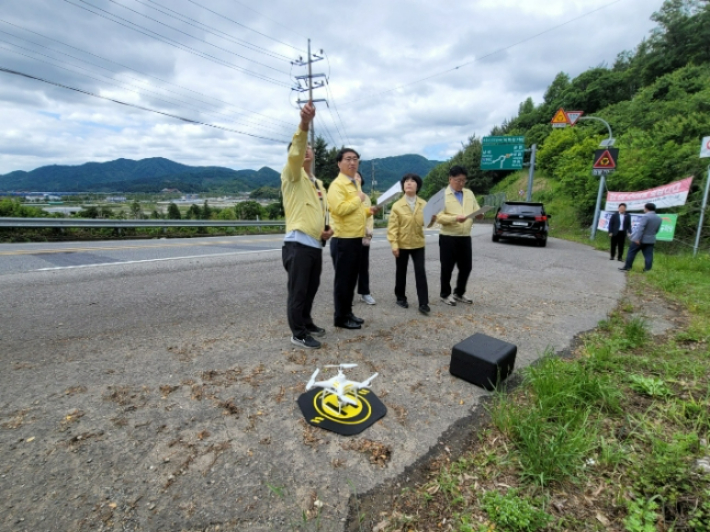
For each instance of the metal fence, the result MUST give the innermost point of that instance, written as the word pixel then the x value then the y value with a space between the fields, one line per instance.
pixel 495 200
pixel 117 224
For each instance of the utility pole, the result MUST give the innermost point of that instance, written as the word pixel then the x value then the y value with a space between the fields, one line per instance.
pixel 531 174
pixel 310 85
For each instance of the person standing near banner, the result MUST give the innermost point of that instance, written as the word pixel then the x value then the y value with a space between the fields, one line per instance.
pixel 455 237
pixel 619 227
pixel 346 203
pixel 304 200
pixel 643 238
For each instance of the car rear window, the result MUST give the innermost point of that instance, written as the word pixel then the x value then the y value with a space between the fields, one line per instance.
pixel 521 209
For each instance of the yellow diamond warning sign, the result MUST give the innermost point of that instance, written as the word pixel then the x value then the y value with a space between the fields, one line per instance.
pixel 560 119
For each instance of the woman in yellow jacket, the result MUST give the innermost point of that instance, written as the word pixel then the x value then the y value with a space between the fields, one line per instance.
pixel 405 232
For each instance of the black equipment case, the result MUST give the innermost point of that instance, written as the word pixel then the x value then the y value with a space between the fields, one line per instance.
pixel 482 360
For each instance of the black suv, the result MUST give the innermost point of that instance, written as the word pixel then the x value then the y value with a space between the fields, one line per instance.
pixel 520 219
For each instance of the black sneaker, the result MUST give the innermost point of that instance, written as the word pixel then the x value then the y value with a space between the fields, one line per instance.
pixel 424 309
pixel 402 303
pixel 308 342
pixel 314 330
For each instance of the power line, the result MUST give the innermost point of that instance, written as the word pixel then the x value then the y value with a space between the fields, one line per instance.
pixel 185 33
pixel 486 55
pixel 114 84
pixel 257 124
pixel 177 117
pixel 327 88
pixel 134 70
pixel 243 26
pixel 271 19
pixel 213 31
pixel 176 44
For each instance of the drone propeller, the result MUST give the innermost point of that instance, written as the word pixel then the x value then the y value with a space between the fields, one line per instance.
pixel 312 380
pixel 342 366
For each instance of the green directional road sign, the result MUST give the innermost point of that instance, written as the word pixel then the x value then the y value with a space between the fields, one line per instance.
pixel 502 153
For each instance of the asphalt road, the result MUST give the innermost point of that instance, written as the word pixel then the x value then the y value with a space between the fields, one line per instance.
pixel 152 385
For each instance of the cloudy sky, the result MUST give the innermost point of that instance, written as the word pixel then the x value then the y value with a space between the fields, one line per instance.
pixel 393 83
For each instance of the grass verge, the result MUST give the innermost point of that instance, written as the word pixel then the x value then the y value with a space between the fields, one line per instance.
pixel 613 438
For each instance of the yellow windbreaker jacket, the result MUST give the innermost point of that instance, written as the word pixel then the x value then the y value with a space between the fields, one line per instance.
pixel 304 209
pixel 347 212
pixel 452 208
pixel 405 229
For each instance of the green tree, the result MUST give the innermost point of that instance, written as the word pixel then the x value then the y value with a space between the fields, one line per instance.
pixel 275 210
pixel 173 212
pixel 326 167
pixel 206 211
pixel 136 211
pixel 248 210
pixel 193 213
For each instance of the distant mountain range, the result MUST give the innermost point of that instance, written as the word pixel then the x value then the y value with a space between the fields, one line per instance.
pixel 156 174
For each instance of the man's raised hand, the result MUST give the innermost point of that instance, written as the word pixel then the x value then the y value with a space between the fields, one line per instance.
pixel 308 113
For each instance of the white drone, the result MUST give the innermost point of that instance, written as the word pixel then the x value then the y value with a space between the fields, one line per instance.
pixel 339 386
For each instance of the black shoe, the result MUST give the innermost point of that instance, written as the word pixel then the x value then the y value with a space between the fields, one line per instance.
pixel 611 258
pixel 347 324
pixel 620 260
pixel 424 309
pixel 402 303
pixel 354 318
pixel 314 330
pixel 307 342
pixel 625 269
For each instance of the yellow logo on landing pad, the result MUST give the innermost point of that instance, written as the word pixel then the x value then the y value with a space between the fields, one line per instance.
pixel 326 404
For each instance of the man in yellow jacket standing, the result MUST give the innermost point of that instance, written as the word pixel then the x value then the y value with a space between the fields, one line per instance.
pixel 455 237
pixel 305 207
pixel 348 213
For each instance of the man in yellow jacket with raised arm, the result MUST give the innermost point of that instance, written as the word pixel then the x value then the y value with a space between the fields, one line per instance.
pixel 305 206
pixel 455 237
pixel 348 213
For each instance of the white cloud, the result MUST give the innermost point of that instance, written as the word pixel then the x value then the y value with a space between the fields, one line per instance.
pixel 372 46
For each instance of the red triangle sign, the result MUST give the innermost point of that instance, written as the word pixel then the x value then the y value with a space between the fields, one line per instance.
pixel 605 162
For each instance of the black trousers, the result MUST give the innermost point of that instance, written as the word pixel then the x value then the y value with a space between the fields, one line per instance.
pixel 363 275
pixel 455 251
pixel 400 286
pixel 304 265
pixel 345 253
pixel 617 241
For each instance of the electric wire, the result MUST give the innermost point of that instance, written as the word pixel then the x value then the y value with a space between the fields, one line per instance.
pixel 243 26
pixel 204 27
pixel 246 122
pixel 327 131
pixel 178 45
pixel 246 111
pixel 329 91
pixel 490 54
pixel 119 85
pixel 271 19
pixel 184 33
pixel 140 107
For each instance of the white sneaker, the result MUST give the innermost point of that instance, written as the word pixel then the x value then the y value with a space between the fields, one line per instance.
pixel 463 299
pixel 449 300
pixel 367 298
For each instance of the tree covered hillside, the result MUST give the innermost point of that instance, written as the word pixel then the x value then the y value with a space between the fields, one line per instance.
pixel 656 99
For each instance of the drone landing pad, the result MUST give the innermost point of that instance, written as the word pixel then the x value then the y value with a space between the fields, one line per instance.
pixel 322 411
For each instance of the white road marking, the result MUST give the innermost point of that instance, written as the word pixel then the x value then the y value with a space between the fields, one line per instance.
pixel 154 260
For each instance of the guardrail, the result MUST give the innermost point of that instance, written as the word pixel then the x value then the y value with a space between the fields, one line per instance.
pixel 98 222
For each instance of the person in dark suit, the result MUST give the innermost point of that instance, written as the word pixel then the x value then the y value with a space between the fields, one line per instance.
pixel 644 238
pixel 619 227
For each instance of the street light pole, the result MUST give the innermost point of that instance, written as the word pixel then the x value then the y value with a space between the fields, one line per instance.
pixel 602 181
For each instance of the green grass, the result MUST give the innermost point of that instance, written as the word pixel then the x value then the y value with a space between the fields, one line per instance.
pixel 619 428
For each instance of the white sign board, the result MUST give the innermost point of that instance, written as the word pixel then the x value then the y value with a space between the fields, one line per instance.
pixel 434 206
pixel 705 148
pixel 389 193
pixel 670 195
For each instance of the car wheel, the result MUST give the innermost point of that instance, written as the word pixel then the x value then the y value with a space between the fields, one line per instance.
pixel 542 243
pixel 495 238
